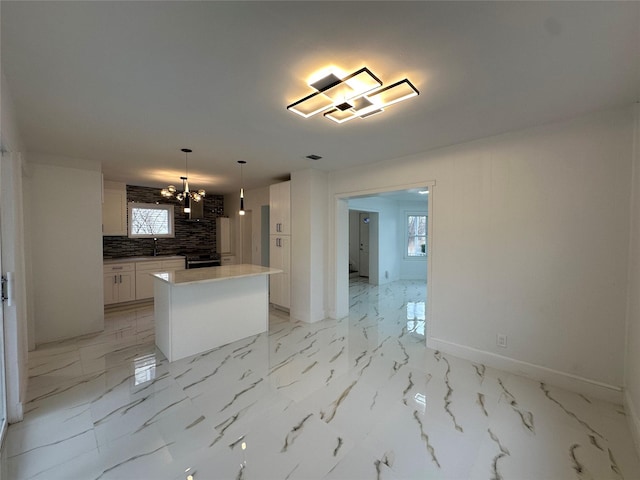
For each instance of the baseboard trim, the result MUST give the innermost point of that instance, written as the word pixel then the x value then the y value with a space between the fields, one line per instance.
pixel 634 419
pixel 575 383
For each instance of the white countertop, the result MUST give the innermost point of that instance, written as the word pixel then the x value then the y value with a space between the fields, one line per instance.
pixel 157 258
pixel 213 274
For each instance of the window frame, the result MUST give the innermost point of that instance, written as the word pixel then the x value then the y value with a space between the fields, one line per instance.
pixel 151 206
pixel 406 235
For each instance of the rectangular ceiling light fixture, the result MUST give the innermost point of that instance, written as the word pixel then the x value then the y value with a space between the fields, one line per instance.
pixel 374 103
pixel 360 94
pixel 331 91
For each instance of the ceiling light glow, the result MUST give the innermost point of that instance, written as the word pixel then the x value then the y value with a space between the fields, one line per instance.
pixel 358 95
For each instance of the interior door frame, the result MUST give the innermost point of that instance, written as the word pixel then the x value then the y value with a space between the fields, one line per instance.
pixel 339 256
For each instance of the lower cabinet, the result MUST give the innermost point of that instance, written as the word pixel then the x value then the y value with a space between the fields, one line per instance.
pixel 125 282
pixel 279 283
pixel 119 283
pixel 227 260
pixel 144 280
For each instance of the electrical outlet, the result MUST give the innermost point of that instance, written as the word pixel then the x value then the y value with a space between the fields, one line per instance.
pixel 386 274
pixel 501 340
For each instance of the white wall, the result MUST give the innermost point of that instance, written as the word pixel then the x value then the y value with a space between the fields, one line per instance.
pixel 66 225
pixel 410 268
pixel 13 257
pixel 308 244
pixel 530 239
pixel 632 359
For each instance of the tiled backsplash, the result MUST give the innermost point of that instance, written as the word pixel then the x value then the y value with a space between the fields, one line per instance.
pixel 190 236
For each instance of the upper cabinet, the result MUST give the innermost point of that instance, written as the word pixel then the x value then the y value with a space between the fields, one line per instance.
pixel 114 209
pixel 280 208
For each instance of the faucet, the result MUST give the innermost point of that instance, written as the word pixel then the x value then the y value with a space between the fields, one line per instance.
pixel 155 247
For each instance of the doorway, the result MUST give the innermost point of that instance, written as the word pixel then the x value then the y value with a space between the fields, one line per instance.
pixel 391 240
pixel 363 240
pixel 362 259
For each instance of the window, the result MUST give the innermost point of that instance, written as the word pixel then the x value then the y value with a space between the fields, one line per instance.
pixel 148 220
pixel 416 235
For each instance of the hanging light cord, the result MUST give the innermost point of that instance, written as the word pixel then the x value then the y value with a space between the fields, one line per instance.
pixel 241 211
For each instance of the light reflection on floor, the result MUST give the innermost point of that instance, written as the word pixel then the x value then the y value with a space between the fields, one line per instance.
pixel 360 397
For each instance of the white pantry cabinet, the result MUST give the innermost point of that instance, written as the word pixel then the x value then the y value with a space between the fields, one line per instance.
pixel 119 283
pixel 280 208
pixel 280 283
pixel 280 244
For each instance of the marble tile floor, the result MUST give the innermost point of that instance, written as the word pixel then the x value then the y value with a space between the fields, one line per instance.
pixel 358 398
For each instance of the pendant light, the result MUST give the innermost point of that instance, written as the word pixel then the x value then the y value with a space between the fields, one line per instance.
pixel 185 195
pixel 241 212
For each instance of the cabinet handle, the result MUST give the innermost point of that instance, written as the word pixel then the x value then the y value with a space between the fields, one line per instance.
pixel 116 268
pixel 115 279
pixel 120 278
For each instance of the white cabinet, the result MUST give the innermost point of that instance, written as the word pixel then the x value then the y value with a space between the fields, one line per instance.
pixel 114 209
pixel 227 260
pixel 279 283
pixel 280 209
pixel 119 283
pixel 144 280
pixel 125 282
pixel 280 243
pixel 223 235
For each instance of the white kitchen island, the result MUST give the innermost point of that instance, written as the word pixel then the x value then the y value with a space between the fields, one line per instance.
pixel 200 309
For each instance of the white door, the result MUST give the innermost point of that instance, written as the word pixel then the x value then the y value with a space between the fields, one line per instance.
pixel 3 394
pixel 364 244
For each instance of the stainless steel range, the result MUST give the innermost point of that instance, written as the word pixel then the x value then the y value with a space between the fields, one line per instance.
pixel 202 260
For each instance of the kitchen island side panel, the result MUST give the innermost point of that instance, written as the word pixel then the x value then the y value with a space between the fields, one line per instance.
pixel 162 316
pixel 203 316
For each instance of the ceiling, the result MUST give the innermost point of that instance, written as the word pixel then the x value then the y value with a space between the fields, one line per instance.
pixel 131 83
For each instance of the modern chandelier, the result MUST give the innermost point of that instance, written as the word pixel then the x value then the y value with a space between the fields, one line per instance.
pixel 185 195
pixel 358 95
